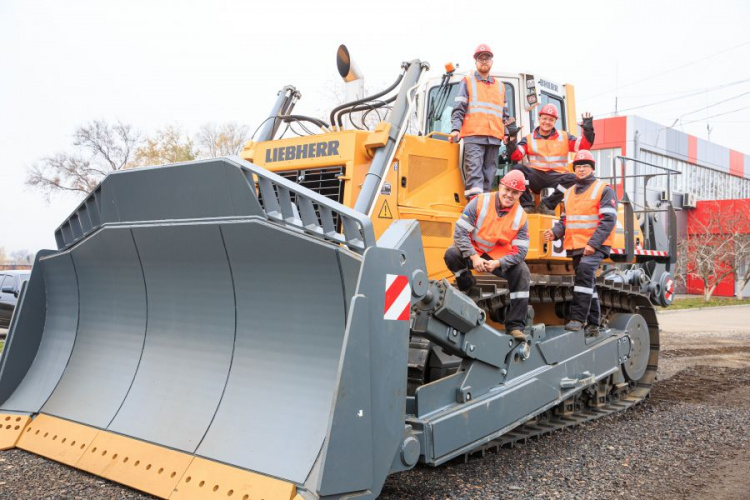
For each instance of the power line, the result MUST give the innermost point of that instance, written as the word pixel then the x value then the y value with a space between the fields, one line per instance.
pixel 719 114
pixel 671 70
pixel 715 104
pixel 679 97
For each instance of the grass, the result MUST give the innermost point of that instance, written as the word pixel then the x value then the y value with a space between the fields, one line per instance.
pixel 698 302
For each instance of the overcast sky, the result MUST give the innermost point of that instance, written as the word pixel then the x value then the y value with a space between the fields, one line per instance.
pixel 152 63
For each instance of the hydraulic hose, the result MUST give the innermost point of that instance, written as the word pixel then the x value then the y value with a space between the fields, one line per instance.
pixel 337 120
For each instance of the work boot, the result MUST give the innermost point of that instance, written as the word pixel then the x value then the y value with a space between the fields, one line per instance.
pixel 529 209
pixel 465 281
pixel 573 325
pixel 517 334
pixel 593 331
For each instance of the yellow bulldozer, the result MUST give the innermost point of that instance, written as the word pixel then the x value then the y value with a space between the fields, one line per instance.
pixel 282 324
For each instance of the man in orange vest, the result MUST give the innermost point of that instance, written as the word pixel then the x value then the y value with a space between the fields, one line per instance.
pixel 546 150
pixel 587 228
pixel 479 117
pixel 492 235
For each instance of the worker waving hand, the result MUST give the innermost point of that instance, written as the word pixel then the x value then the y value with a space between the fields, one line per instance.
pixel 587 229
pixel 546 149
pixel 492 235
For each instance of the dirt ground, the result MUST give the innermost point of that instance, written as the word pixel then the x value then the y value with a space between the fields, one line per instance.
pixel 718 336
pixel 705 358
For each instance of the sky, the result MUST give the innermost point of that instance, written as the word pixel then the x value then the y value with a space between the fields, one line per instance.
pixel 158 62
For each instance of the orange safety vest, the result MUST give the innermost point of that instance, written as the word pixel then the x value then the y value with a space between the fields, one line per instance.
pixel 497 235
pixel 548 154
pixel 582 215
pixel 484 111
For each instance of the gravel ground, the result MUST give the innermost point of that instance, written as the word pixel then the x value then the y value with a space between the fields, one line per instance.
pixel 659 449
pixel 690 440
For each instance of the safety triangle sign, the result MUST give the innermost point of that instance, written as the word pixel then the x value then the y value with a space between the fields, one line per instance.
pixel 385 211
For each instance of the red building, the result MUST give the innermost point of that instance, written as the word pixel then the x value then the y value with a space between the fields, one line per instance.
pixel 721 218
pixel 703 171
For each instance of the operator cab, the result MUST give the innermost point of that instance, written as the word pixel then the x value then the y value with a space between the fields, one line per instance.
pixel 524 96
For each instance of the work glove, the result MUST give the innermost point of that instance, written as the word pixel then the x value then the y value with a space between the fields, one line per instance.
pixel 587 122
pixel 512 131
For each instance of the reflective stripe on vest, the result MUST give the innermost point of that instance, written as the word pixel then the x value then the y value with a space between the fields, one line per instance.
pixel 582 215
pixel 548 154
pixel 495 235
pixel 484 112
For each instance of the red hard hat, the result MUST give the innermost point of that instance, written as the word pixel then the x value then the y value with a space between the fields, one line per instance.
pixel 514 180
pixel 549 109
pixel 483 47
pixel 584 157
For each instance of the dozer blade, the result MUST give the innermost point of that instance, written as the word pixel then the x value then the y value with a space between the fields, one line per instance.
pixel 190 337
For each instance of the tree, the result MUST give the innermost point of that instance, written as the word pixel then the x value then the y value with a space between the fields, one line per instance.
pixel 221 140
pixel 21 256
pixel 169 145
pixel 99 149
pixel 717 246
pixel 3 257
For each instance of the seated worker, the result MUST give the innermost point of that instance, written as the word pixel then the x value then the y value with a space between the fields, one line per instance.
pixel 547 151
pixel 492 235
pixel 587 226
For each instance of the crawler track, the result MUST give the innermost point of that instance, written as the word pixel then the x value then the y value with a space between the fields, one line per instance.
pixel 596 401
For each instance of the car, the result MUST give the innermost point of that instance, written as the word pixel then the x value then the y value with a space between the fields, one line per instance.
pixel 10 289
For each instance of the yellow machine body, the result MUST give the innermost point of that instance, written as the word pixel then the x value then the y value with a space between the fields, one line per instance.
pixel 424 183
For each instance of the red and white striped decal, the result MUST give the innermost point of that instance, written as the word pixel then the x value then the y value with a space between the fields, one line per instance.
pixel 639 251
pixel 669 289
pixel 397 297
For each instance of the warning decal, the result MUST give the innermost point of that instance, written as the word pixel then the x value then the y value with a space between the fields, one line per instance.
pixel 669 289
pixel 397 297
pixel 385 211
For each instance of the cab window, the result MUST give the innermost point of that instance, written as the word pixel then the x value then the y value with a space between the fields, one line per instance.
pixel 545 98
pixel 440 101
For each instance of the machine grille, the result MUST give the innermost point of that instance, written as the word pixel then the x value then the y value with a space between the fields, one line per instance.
pixel 323 181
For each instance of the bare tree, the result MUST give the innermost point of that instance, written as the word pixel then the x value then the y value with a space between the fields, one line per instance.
pixel 3 256
pixel 221 140
pixel 717 247
pixel 99 148
pixel 169 145
pixel 22 256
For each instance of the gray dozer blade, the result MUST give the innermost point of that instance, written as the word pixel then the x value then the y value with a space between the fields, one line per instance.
pixel 183 310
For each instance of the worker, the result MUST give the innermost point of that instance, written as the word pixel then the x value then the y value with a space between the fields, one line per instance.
pixel 547 151
pixel 479 117
pixel 587 227
pixel 492 235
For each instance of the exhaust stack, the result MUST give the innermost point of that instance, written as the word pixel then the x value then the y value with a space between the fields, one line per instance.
pixel 351 74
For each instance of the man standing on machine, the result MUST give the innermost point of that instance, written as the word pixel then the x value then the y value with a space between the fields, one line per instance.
pixel 587 227
pixel 479 117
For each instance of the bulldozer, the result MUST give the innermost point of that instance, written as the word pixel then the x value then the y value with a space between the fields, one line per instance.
pixel 281 324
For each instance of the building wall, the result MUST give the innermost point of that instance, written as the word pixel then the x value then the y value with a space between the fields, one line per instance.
pixel 708 171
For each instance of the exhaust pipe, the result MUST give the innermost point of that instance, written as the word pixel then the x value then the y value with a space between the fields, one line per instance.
pixel 351 74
